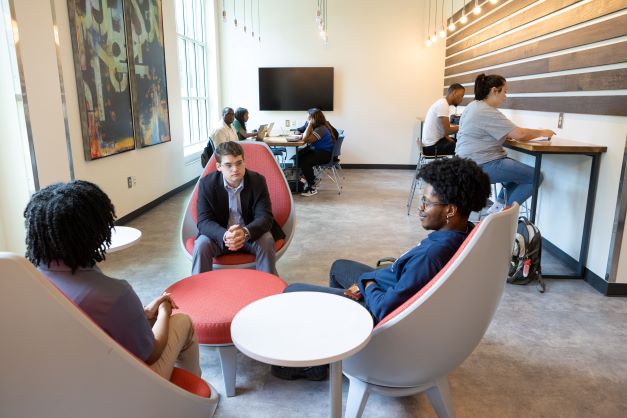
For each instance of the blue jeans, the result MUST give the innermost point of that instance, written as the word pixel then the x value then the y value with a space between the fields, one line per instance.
pixel 516 177
pixel 343 274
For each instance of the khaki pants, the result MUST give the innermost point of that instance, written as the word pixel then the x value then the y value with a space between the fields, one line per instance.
pixel 181 349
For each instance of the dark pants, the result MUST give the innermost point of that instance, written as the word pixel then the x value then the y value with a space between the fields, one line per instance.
pixel 308 158
pixel 442 147
pixel 343 274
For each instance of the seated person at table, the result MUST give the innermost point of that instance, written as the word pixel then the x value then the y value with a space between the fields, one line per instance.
pixel 320 139
pixel 437 128
pixel 452 189
pixel 68 230
pixel 225 132
pixel 310 112
pixel 239 124
pixel 234 213
pixel 482 131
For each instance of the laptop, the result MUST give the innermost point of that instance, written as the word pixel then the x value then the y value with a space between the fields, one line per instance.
pixel 261 132
pixel 269 129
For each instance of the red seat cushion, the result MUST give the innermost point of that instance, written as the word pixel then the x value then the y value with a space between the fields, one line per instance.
pixel 232 259
pixel 190 382
pixel 213 298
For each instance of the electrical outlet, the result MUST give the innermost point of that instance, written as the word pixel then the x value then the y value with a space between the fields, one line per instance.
pixel 293 123
pixel 287 123
pixel 134 181
pixel 560 120
pixel 129 182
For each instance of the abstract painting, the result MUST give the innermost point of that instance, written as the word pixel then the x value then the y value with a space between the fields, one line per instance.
pixel 149 95
pixel 100 61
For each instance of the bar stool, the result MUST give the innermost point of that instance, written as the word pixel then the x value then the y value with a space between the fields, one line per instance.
pixel 416 182
pixel 524 210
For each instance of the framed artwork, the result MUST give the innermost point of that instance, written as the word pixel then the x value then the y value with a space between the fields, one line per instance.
pixel 100 61
pixel 149 95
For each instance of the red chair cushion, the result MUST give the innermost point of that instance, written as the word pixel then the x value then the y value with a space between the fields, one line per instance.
pixel 213 298
pixel 433 281
pixel 190 382
pixel 232 259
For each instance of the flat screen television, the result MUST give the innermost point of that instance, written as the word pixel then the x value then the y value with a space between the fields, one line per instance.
pixel 296 88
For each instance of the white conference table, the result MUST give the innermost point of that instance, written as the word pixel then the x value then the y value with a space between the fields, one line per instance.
pixel 304 329
pixel 123 237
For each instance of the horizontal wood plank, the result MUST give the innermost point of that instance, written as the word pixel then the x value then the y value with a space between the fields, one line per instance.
pixel 588 105
pixel 536 12
pixel 600 31
pixel 569 18
pixel 603 55
pixel 593 81
pixel 501 13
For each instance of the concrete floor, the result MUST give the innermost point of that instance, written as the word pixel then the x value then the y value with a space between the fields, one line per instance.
pixel 558 354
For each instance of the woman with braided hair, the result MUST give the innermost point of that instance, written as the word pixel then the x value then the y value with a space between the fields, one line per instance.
pixel 68 230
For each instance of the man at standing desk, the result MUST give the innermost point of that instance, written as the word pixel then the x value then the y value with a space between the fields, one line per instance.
pixel 437 128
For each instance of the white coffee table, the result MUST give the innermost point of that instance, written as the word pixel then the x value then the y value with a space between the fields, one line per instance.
pixel 303 329
pixel 123 237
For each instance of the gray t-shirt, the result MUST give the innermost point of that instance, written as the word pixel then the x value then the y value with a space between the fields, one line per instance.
pixel 110 303
pixel 482 131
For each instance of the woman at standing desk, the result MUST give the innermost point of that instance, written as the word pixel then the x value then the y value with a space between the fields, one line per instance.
pixel 320 139
pixel 239 124
pixel 482 131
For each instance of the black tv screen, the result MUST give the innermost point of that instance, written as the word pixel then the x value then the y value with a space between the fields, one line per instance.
pixel 296 88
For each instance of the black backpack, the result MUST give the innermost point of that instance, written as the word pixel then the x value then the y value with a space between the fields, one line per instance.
pixel 206 154
pixel 526 255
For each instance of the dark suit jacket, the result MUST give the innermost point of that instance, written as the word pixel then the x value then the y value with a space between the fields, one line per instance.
pixel 213 207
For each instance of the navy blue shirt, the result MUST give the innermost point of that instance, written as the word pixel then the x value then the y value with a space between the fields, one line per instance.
pixel 410 272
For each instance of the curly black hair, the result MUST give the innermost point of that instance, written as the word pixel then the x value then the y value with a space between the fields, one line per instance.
pixel 458 181
pixel 69 222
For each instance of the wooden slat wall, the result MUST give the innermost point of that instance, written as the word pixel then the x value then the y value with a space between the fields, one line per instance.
pixel 496 42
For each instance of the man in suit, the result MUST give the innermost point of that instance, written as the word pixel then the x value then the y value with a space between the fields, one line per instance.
pixel 234 213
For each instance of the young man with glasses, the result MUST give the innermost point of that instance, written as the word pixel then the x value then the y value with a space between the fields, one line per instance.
pixel 234 213
pixel 453 188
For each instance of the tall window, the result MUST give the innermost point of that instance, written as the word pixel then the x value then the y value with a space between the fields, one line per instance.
pixel 192 52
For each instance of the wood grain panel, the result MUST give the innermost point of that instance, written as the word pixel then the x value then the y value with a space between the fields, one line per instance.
pixel 538 11
pixel 499 14
pixel 569 18
pixel 598 80
pixel 601 31
pixel 603 55
pixel 589 105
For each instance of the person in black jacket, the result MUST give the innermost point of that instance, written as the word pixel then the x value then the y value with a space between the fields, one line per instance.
pixel 234 213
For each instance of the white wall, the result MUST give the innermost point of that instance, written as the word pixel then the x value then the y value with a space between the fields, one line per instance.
pixel 385 76
pixel 562 197
pixel 14 180
pixel 157 169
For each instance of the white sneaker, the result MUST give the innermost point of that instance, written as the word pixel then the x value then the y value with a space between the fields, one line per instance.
pixel 496 207
pixel 309 192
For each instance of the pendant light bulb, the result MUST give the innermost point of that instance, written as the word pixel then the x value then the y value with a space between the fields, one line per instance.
pixel 428 42
pixel 224 16
pixel 477 9
pixel 434 37
pixel 451 27
pixel 463 19
pixel 442 33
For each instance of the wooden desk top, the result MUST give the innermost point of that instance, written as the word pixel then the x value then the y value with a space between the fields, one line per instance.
pixel 275 141
pixel 556 145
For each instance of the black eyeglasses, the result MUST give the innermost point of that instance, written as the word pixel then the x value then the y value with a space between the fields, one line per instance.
pixel 427 204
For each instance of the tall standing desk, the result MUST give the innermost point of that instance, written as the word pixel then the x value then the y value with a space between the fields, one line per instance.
pixel 560 146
